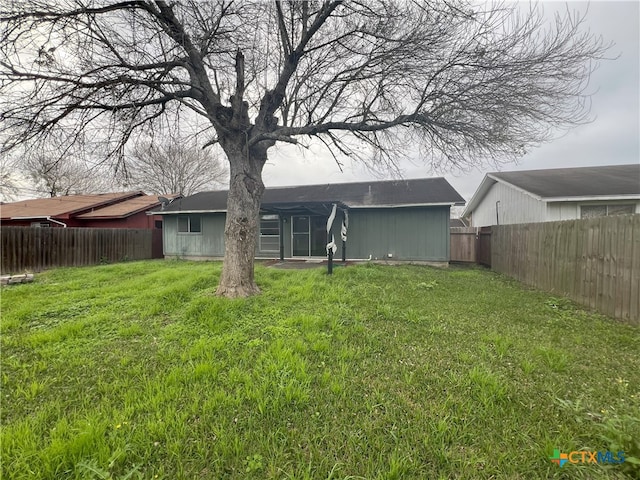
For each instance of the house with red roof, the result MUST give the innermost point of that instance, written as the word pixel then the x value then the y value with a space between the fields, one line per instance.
pixel 104 210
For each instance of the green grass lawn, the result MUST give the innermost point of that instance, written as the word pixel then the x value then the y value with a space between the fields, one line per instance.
pixel 137 370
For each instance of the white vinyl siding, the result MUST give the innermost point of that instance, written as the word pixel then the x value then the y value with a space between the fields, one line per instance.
pixel 514 207
pixel 558 211
pixel 517 207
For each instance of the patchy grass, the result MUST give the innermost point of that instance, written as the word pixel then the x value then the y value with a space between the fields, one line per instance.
pixel 138 371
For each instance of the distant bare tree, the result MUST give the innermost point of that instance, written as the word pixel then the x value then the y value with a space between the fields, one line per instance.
pixel 459 81
pixel 173 167
pixel 9 187
pixel 57 167
pixel 52 176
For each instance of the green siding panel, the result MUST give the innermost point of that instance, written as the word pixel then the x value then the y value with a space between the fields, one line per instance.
pixel 420 234
pixel 417 234
pixel 208 243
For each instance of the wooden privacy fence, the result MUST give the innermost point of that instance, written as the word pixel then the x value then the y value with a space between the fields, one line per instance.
pixel 595 262
pixel 471 244
pixel 35 249
pixel 463 244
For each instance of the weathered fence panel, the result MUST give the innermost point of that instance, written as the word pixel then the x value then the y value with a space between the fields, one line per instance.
pixel 157 250
pixel 36 249
pixel 463 244
pixel 484 246
pixel 595 262
pixel 471 245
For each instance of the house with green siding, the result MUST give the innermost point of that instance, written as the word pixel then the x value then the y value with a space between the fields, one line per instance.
pixel 400 220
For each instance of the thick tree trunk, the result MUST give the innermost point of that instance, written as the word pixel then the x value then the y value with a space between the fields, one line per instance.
pixel 242 223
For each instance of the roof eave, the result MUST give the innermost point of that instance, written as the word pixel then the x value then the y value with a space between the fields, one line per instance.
pixel 351 207
pixel 484 187
pixel 407 205
pixel 592 198
pixel 516 187
pixel 165 212
pixel 32 217
pixel 48 218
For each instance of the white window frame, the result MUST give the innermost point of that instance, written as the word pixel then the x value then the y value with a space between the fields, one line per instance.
pixel 270 236
pixel 189 230
pixel 607 206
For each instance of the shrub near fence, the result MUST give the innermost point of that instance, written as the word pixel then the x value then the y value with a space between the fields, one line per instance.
pixel 595 262
pixel 35 249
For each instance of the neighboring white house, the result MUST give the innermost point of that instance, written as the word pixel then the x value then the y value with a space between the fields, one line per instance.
pixel 556 194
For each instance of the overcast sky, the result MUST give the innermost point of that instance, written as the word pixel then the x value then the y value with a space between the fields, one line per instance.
pixel 612 138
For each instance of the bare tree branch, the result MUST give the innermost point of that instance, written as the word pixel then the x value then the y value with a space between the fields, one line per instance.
pixel 59 169
pixel 173 167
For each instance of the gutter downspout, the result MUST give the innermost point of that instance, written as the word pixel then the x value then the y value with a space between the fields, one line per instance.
pixel 64 225
pixel 47 218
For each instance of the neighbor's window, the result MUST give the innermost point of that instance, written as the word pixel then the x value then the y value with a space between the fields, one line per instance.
pixel 592 211
pixel 189 224
pixel 269 233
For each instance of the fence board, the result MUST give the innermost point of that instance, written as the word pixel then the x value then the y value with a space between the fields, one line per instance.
pixel 36 249
pixel 484 246
pixel 596 261
pixel 463 242
pixel 608 279
pixel 624 249
pixel 632 276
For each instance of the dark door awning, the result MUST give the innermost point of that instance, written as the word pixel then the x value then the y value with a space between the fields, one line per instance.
pixel 301 208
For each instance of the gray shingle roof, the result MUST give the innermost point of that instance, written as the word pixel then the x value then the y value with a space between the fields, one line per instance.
pixel 576 182
pixel 395 193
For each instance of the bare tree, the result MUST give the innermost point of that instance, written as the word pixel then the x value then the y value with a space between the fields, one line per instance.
pixel 173 167
pixel 51 176
pixel 9 183
pixel 59 167
pixel 462 82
